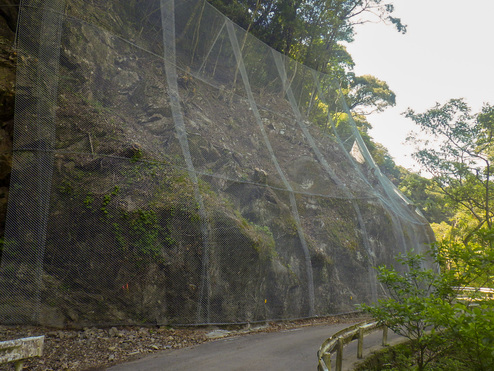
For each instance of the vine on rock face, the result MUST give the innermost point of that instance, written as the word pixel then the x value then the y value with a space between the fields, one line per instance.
pixel 140 232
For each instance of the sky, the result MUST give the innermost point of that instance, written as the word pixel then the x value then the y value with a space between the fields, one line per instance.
pixel 447 52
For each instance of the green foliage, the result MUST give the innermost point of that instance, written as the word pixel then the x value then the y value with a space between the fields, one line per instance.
pixel 467 265
pixel 424 306
pixel 140 233
pixel 88 201
pixel 264 229
pixel 264 242
pixel 311 32
pixel 425 194
pixel 367 94
pixel 308 31
pixel 136 154
pixel 66 188
pixel 456 147
pixel 472 326
pixel 399 358
pixel 106 199
pixel 384 160
pixel 407 310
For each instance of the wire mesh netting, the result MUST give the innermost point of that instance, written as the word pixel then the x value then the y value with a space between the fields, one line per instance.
pixel 170 168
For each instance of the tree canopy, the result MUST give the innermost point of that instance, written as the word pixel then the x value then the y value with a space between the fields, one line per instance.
pixel 308 31
pixel 456 147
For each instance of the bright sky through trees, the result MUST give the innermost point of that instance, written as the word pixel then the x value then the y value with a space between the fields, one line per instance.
pixel 448 52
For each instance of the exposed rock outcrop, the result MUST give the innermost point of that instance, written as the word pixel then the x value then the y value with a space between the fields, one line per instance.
pixel 8 21
pixel 129 219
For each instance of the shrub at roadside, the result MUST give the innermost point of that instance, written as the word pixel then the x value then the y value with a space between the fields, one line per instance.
pixel 423 305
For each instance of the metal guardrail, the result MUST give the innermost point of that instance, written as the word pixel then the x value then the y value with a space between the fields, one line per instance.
pixel 21 349
pixel 484 290
pixel 484 293
pixel 335 343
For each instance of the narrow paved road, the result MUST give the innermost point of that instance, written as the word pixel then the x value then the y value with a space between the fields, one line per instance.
pixel 290 350
pixel 293 349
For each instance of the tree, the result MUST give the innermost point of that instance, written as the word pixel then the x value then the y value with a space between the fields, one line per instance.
pixel 408 306
pixel 457 149
pixel 366 94
pixel 327 22
pixel 308 31
pixel 468 321
pixel 383 159
pixel 437 310
pixel 424 193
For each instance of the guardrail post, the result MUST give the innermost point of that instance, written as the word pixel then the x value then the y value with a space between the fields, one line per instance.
pixel 360 345
pixel 335 343
pixel 327 360
pixel 385 336
pixel 324 360
pixel 339 354
pixel 19 365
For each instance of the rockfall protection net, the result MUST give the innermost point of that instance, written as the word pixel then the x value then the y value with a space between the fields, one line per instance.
pixel 170 168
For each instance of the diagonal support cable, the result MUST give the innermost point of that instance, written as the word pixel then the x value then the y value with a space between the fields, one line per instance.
pixel 322 160
pixel 168 24
pixel 293 202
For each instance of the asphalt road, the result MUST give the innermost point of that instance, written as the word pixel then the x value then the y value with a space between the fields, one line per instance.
pixel 293 349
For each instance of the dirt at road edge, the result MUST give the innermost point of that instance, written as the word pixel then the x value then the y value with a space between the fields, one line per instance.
pixel 97 348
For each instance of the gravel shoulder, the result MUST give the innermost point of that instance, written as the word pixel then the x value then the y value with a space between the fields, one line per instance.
pixel 97 348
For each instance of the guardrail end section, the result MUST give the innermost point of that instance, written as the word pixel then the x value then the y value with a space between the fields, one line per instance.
pixel 20 349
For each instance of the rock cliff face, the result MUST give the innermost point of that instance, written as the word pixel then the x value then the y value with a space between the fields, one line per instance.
pixel 8 20
pixel 162 184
